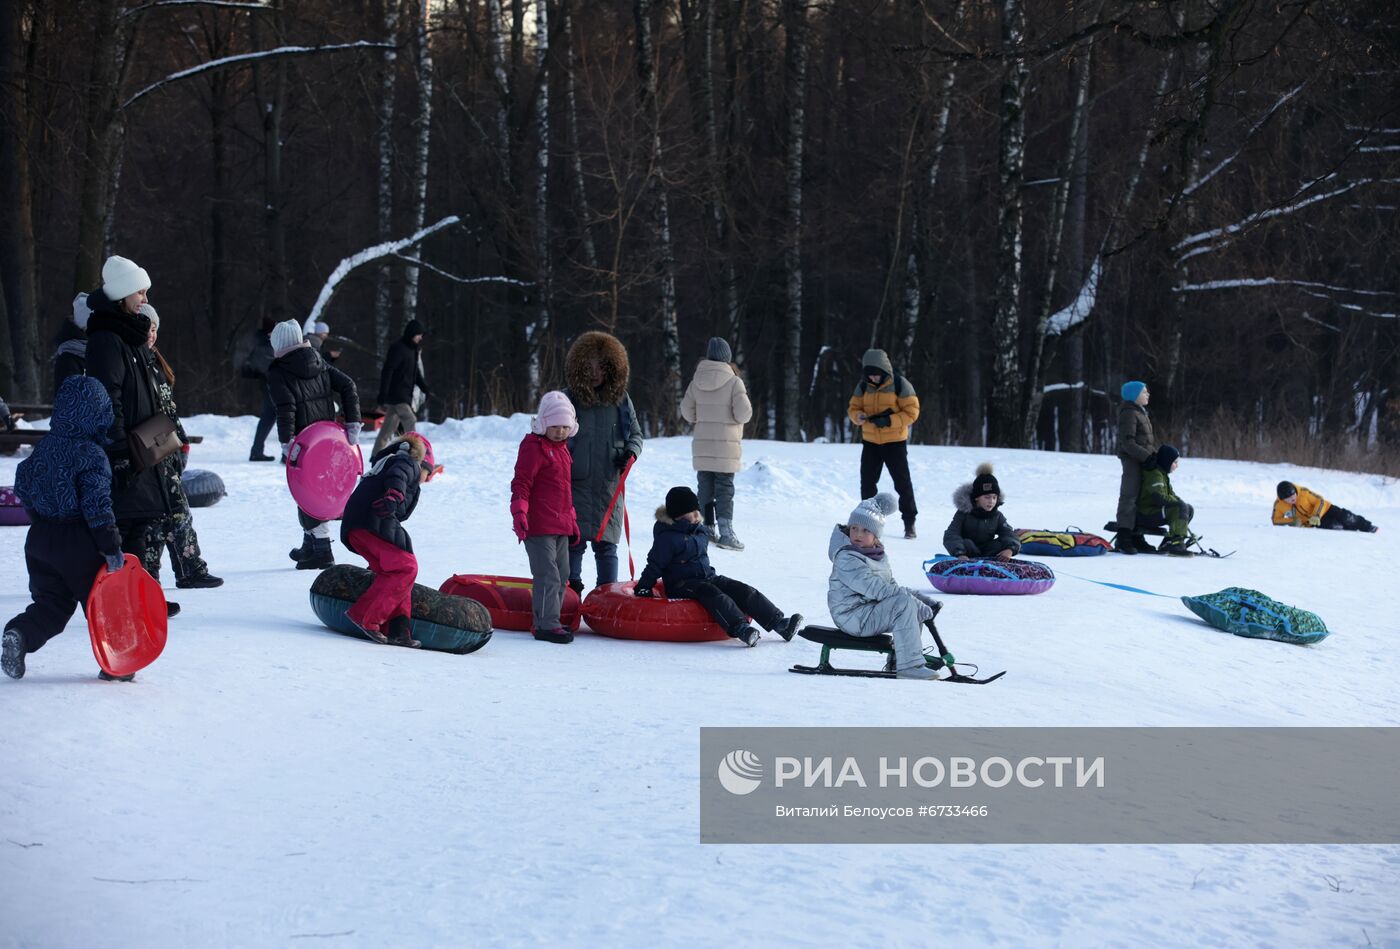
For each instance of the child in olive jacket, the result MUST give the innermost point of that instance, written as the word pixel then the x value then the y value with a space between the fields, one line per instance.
pixel 1158 505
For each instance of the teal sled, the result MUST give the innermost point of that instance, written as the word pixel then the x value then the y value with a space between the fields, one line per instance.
pixel 1250 613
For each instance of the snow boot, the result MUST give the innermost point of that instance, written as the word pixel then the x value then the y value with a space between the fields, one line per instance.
pixel 748 635
pixel 1124 544
pixel 787 627
pixel 727 540
pixel 576 586
pixel 12 658
pixel 1143 545
pixel 304 551
pixel 171 609
pixel 321 556
pixel 200 581
pixel 909 532
pixel 710 527
pixel 260 456
pixel 1175 548
pixel 559 635
pixel 373 635
pixel 401 633
pixel 106 676
pixel 922 671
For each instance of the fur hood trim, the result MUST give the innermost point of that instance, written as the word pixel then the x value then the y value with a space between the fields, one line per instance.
pixel 611 354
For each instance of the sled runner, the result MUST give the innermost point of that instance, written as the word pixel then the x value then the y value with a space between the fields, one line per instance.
pixel 323 469
pixel 1192 540
pixel 126 619
pixel 829 638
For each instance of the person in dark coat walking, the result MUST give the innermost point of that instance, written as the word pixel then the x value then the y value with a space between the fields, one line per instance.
pixel 1136 445
pixel 679 557
pixel 70 345
pixel 979 528
pixel 402 373
pixel 176 530
pixel 255 366
pixel 305 390
pixel 609 436
pixel 118 358
pixel 65 486
pixel 373 528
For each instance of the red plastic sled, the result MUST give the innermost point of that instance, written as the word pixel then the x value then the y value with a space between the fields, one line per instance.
pixel 508 600
pixel 613 611
pixel 126 618
pixel 323 469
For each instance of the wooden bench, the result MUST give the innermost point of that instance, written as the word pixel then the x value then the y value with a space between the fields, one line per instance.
pixel 10 441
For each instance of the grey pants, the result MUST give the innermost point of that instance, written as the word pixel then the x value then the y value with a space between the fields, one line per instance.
pixel 549 567
pixel 401 418
pixel 717 488
pixel 898 615
pixel 1128 488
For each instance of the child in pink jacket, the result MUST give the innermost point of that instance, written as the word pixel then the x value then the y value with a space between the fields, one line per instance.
pixel 542 510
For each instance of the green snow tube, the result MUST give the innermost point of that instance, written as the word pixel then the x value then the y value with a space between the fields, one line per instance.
pixel 1250 613
pixel 446 623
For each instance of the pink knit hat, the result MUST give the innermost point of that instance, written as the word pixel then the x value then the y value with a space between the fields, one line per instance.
pixel 555 409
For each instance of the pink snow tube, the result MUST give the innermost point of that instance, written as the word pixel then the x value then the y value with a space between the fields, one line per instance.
pixel 12 512
pixel 988 576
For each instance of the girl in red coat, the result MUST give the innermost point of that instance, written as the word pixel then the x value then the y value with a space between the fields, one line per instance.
pixel 542 510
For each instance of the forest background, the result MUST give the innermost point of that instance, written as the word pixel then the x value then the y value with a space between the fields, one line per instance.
pixel 1026 202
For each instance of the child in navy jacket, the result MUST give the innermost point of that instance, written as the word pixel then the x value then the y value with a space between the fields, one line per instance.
pixel 66 486
pixel 680 560
pixel 372 527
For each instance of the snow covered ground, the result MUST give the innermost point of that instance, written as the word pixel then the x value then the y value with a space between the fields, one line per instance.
pixel 267 781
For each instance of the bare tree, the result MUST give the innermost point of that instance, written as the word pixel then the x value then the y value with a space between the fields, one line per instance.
pixel 383 302
pixel 794 97
pixel 19 366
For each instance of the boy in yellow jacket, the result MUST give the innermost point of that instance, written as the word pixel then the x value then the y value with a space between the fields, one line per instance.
pixel 1298 507
pixel 885 405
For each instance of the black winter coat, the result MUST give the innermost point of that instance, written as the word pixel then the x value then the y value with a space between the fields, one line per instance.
pixel 1135 439
pixel 974 532
pixel 70 354
pixel 679 553
pixel 118 358
pixel 304 390
pixel 393 471
pixel 400 373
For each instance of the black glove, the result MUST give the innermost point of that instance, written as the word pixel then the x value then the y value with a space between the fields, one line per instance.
pixel 621 460
pixel 643 592
pixel 880 421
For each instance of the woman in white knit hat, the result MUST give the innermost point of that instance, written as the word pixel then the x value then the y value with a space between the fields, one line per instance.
pixel 118 357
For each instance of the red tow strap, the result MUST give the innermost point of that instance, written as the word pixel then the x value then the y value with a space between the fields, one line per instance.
pixel 626 521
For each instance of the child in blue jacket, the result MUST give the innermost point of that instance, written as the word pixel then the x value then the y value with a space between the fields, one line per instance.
pixel 679 558
pixel 66 487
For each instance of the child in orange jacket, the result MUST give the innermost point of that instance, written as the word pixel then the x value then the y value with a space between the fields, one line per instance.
pixel 1298 507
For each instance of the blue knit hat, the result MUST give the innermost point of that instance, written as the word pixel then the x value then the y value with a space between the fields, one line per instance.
pixel 1131 390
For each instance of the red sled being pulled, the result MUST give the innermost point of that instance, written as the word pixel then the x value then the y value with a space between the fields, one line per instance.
pixel 126 619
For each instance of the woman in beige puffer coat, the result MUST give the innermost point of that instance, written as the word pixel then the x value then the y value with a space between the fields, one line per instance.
pixel 717 404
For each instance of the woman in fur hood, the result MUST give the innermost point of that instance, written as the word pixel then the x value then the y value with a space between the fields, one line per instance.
pixel 978 528
pixel 609 436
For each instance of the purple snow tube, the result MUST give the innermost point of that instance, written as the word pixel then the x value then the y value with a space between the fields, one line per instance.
pixel 988 577
pixel 12 513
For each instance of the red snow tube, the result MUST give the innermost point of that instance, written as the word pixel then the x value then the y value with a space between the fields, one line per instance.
pixel 12 512
pixel 613 611
pixel 508 600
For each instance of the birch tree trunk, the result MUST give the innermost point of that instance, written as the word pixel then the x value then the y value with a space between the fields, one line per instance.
pixel 495 27
pixel 1004 421
pixel 660 208
pixel 423 125
pixel 384 205
pixel 795 24
pixel 585 213
pixel 1035 372
pixel 538 335
pixel 19 366
pixel 1072 434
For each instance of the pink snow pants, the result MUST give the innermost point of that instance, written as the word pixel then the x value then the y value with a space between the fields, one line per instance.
pixel 391 593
